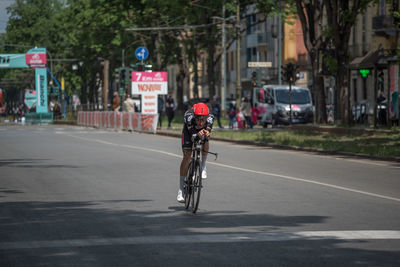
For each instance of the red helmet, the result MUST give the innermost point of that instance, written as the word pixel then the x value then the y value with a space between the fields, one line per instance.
pixel 200 109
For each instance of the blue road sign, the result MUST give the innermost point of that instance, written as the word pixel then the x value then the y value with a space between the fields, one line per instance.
pixel 141 53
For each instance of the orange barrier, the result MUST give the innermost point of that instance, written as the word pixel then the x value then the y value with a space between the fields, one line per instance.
pixel 118 120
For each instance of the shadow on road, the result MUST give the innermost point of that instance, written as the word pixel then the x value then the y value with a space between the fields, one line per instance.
pixel 25 222
pixel 32 163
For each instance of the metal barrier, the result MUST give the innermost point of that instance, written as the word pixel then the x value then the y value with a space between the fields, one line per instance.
pixel 39 118
pixel 118 120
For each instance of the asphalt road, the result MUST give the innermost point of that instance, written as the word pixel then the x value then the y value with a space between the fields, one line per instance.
pixel 72 196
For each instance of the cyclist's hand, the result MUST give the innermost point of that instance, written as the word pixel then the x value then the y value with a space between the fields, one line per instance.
pixel 207 134
pixel 200 133
pixel 204 133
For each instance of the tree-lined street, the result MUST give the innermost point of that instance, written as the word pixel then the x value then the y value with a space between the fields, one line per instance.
pixel 75 196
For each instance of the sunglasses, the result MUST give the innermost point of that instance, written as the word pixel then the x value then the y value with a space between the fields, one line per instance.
pixel 200 118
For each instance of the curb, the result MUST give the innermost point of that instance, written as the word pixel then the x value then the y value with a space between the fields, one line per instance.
pixel 296 148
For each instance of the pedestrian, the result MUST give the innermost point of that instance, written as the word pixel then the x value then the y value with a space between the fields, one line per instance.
pixel 381 101
pixel 170 109
pixel 129 104
pixel 160 106
pixel 56 110
pixel 254 114
pixel 15 112
pixel 245 107
pixel 232 115
pixel 216 110
pixel 116 102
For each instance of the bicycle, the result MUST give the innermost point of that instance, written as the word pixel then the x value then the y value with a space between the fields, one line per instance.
pixel 193 180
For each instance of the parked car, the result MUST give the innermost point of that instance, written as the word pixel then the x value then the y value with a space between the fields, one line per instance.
pixel 273 102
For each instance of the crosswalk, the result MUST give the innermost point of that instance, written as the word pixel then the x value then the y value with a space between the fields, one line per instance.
pixel 208 238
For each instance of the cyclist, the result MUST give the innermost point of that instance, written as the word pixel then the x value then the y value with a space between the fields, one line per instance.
pixel 197 123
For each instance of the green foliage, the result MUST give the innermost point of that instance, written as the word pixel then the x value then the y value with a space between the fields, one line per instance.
pixel 90 31
pixel 332 64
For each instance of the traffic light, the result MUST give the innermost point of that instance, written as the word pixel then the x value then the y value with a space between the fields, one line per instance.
pixel 254 78
pixel 284 73
pixel 122 78
pixel 140 67
pixel 290 72
pixel 129 76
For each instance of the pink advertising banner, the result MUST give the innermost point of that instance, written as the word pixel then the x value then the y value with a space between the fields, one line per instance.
pixel 149 85
pixel 149 82
pixel 36 59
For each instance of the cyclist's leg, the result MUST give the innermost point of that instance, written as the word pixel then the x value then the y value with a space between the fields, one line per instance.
pixel 186 149
pixel 185 163
pixel 204 159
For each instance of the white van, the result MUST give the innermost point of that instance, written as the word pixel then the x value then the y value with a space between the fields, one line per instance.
pixel 273 103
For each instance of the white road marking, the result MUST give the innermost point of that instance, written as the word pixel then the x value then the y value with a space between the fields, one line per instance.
pixel 207 238
pixel 248 170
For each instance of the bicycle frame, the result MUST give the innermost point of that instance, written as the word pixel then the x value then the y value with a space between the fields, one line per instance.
pixel 193 180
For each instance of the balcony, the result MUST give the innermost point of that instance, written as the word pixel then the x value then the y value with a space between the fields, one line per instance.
pixel 383 25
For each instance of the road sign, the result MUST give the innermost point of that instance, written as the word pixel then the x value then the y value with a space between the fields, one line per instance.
pixel 149 85
pixel 260 64
pixel 141 53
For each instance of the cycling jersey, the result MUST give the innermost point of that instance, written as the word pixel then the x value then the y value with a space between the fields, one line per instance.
pixel 189 128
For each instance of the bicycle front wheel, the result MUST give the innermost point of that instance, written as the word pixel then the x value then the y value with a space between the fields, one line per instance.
pixel 196 187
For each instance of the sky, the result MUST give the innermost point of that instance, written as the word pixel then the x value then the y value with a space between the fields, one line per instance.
pixel 3 14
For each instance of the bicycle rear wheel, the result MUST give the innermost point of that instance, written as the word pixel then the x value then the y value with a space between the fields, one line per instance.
pixel 187 190
pixel 196 187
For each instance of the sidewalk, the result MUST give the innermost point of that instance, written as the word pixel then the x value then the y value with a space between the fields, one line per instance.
pixel 175 132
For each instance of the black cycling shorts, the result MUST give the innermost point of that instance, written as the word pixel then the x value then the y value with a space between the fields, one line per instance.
pixel 187 140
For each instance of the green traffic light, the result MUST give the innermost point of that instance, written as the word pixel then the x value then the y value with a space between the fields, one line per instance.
pixel 364 72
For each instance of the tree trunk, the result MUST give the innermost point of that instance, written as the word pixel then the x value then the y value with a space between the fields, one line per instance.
pixel 320 97
pixel 319 90
pixel 342 85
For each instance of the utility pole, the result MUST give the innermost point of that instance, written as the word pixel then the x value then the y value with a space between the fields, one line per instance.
pixel 223 61
pixel 106 64
pixel 238 82
pixel 280 42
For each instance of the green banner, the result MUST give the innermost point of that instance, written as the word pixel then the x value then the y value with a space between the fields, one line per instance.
pixel 12 61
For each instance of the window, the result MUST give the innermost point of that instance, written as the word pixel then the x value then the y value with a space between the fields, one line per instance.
pixel 248 54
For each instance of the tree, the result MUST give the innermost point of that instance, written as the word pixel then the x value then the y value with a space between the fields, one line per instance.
pixel 311 18
pixel 341 17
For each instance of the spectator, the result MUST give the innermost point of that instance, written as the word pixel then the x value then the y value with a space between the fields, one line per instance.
pixel 56 110
pixel 170 109
pixel 381 108
pixel 245 107
pixel 15 112
pixel 129 104
pixel 232 115
pixel 254 114
pixel 216 110
pixel 116 102
pixel 160 106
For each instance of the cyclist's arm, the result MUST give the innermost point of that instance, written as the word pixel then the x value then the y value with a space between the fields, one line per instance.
pixel 209 123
